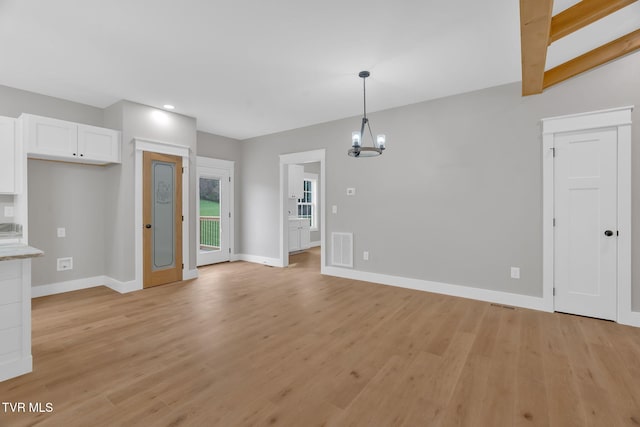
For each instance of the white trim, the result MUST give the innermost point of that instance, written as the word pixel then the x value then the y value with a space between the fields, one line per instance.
pixel 616 117
pixel 498 297
pixel 314 244
pixel 191 274
pixel 141 145
pixel 589 120
pixel 273 262
pixel 208 162
pixel 297 158
pixel 67 286
pixel 121 287
pixel 16 368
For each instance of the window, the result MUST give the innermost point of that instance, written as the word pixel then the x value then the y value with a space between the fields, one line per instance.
pixel 307 206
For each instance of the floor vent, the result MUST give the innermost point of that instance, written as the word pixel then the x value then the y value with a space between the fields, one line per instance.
pixel 342 249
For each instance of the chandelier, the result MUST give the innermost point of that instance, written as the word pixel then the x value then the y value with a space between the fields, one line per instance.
pixel 357 138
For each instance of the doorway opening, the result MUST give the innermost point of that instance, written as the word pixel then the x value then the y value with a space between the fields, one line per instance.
pixel 302 207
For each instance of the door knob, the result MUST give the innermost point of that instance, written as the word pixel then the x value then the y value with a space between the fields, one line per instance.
pixel 147 226
pixel 608 233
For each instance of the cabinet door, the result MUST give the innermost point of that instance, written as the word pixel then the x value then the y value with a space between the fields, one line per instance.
pixel 52 137
pixel 296 181
pixel 98 144
pixel 294 236
pixel 7 155
pixel 305 235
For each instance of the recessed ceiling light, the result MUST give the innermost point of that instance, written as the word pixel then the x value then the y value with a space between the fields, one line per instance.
pixel 169 106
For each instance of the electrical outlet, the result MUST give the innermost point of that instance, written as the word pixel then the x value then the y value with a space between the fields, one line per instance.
pixel 515 272
pixel 62 232
pixel 334 209
pixel 65 264
pixel 351 191
pixel 8 211
pixel 365 255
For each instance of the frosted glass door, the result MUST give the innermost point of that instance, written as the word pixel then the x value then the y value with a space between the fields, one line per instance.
pixel 163 217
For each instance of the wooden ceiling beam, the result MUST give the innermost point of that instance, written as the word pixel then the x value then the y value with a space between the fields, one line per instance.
pixel 582 14
pixel 610 51
pixel 535 25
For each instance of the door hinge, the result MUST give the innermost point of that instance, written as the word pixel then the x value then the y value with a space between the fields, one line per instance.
pixel 183 266
pixel 617 232
pixel 183 218
pixel 554 222
pixel 229 250
pixel 229 179
pixel 229 214
pixel 183 169
pixel 554 292
pixel 553 151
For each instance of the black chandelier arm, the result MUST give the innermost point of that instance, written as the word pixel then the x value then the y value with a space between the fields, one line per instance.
pixel 370 133
pixel 364 93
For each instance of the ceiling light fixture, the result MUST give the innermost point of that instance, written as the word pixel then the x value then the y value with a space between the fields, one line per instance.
pixel 357 150
pixel 168 107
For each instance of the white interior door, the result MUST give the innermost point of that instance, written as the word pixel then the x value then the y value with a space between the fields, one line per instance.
pixel 213 215
pixel 585 233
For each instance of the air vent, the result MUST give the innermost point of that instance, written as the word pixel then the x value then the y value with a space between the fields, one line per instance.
pixel 342 249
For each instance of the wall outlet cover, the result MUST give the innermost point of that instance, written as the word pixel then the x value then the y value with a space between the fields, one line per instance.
pixel 515 272
pixel 8 211
pixel 62 232
pixel 351 191
pixel 65 264
pixel 334 209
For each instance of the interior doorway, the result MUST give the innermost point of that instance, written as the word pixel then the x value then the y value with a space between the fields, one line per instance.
pixel 213 213
pixel 162 217
pixel 295 206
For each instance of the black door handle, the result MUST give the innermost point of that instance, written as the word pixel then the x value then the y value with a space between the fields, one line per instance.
pixel 608 233
pixel 147 226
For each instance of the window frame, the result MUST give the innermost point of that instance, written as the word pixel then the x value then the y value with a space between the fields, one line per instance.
pixel 313 179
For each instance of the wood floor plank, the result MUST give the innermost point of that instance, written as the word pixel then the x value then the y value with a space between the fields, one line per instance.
pixel 249 345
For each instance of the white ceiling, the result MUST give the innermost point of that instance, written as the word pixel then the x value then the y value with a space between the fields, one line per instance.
pixel 251 67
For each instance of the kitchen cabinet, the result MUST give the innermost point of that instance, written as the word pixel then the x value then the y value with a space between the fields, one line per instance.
pixel 9 184
pixel 53 139
pixel 296 181
pixel 15 310
pixel 299 234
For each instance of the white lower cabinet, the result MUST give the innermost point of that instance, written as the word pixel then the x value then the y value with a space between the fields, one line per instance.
pixel 299 234
pixel 15 318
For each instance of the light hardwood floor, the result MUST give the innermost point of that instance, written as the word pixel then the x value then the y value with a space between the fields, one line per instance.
pixel 247 344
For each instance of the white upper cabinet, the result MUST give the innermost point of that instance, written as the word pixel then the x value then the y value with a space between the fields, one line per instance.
pixel 8 153
pixel 296 181
pixel 54 139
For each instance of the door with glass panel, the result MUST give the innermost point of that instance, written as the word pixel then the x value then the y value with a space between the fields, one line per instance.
pixel 162 219
pixel 213 215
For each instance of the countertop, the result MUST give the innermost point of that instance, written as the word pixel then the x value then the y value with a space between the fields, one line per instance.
pixel 17 251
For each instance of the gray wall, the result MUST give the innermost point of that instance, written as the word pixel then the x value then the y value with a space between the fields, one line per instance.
pixel 223 148
pixel 61 195
pixel 457 196
pixel 80 211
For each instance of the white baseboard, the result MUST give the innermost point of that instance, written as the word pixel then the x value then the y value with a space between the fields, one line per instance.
pixel 631 318
pixel 315 244
pixel 273 262
pixel 16 368
pixel 67 286
pixel 190 274
pixel 121 287
pixel 498 297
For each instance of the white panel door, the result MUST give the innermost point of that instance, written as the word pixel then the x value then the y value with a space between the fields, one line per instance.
pixel 99 144
pixel 52 137
pixel 585 170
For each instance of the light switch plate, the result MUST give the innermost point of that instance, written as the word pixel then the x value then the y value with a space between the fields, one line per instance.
pixel 8 211
pixel 515 272
pixel 334 209
pixel 62 232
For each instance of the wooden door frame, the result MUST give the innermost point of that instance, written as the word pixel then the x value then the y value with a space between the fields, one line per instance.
pixel 166 275
pixel 619 118
pixel 140 146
